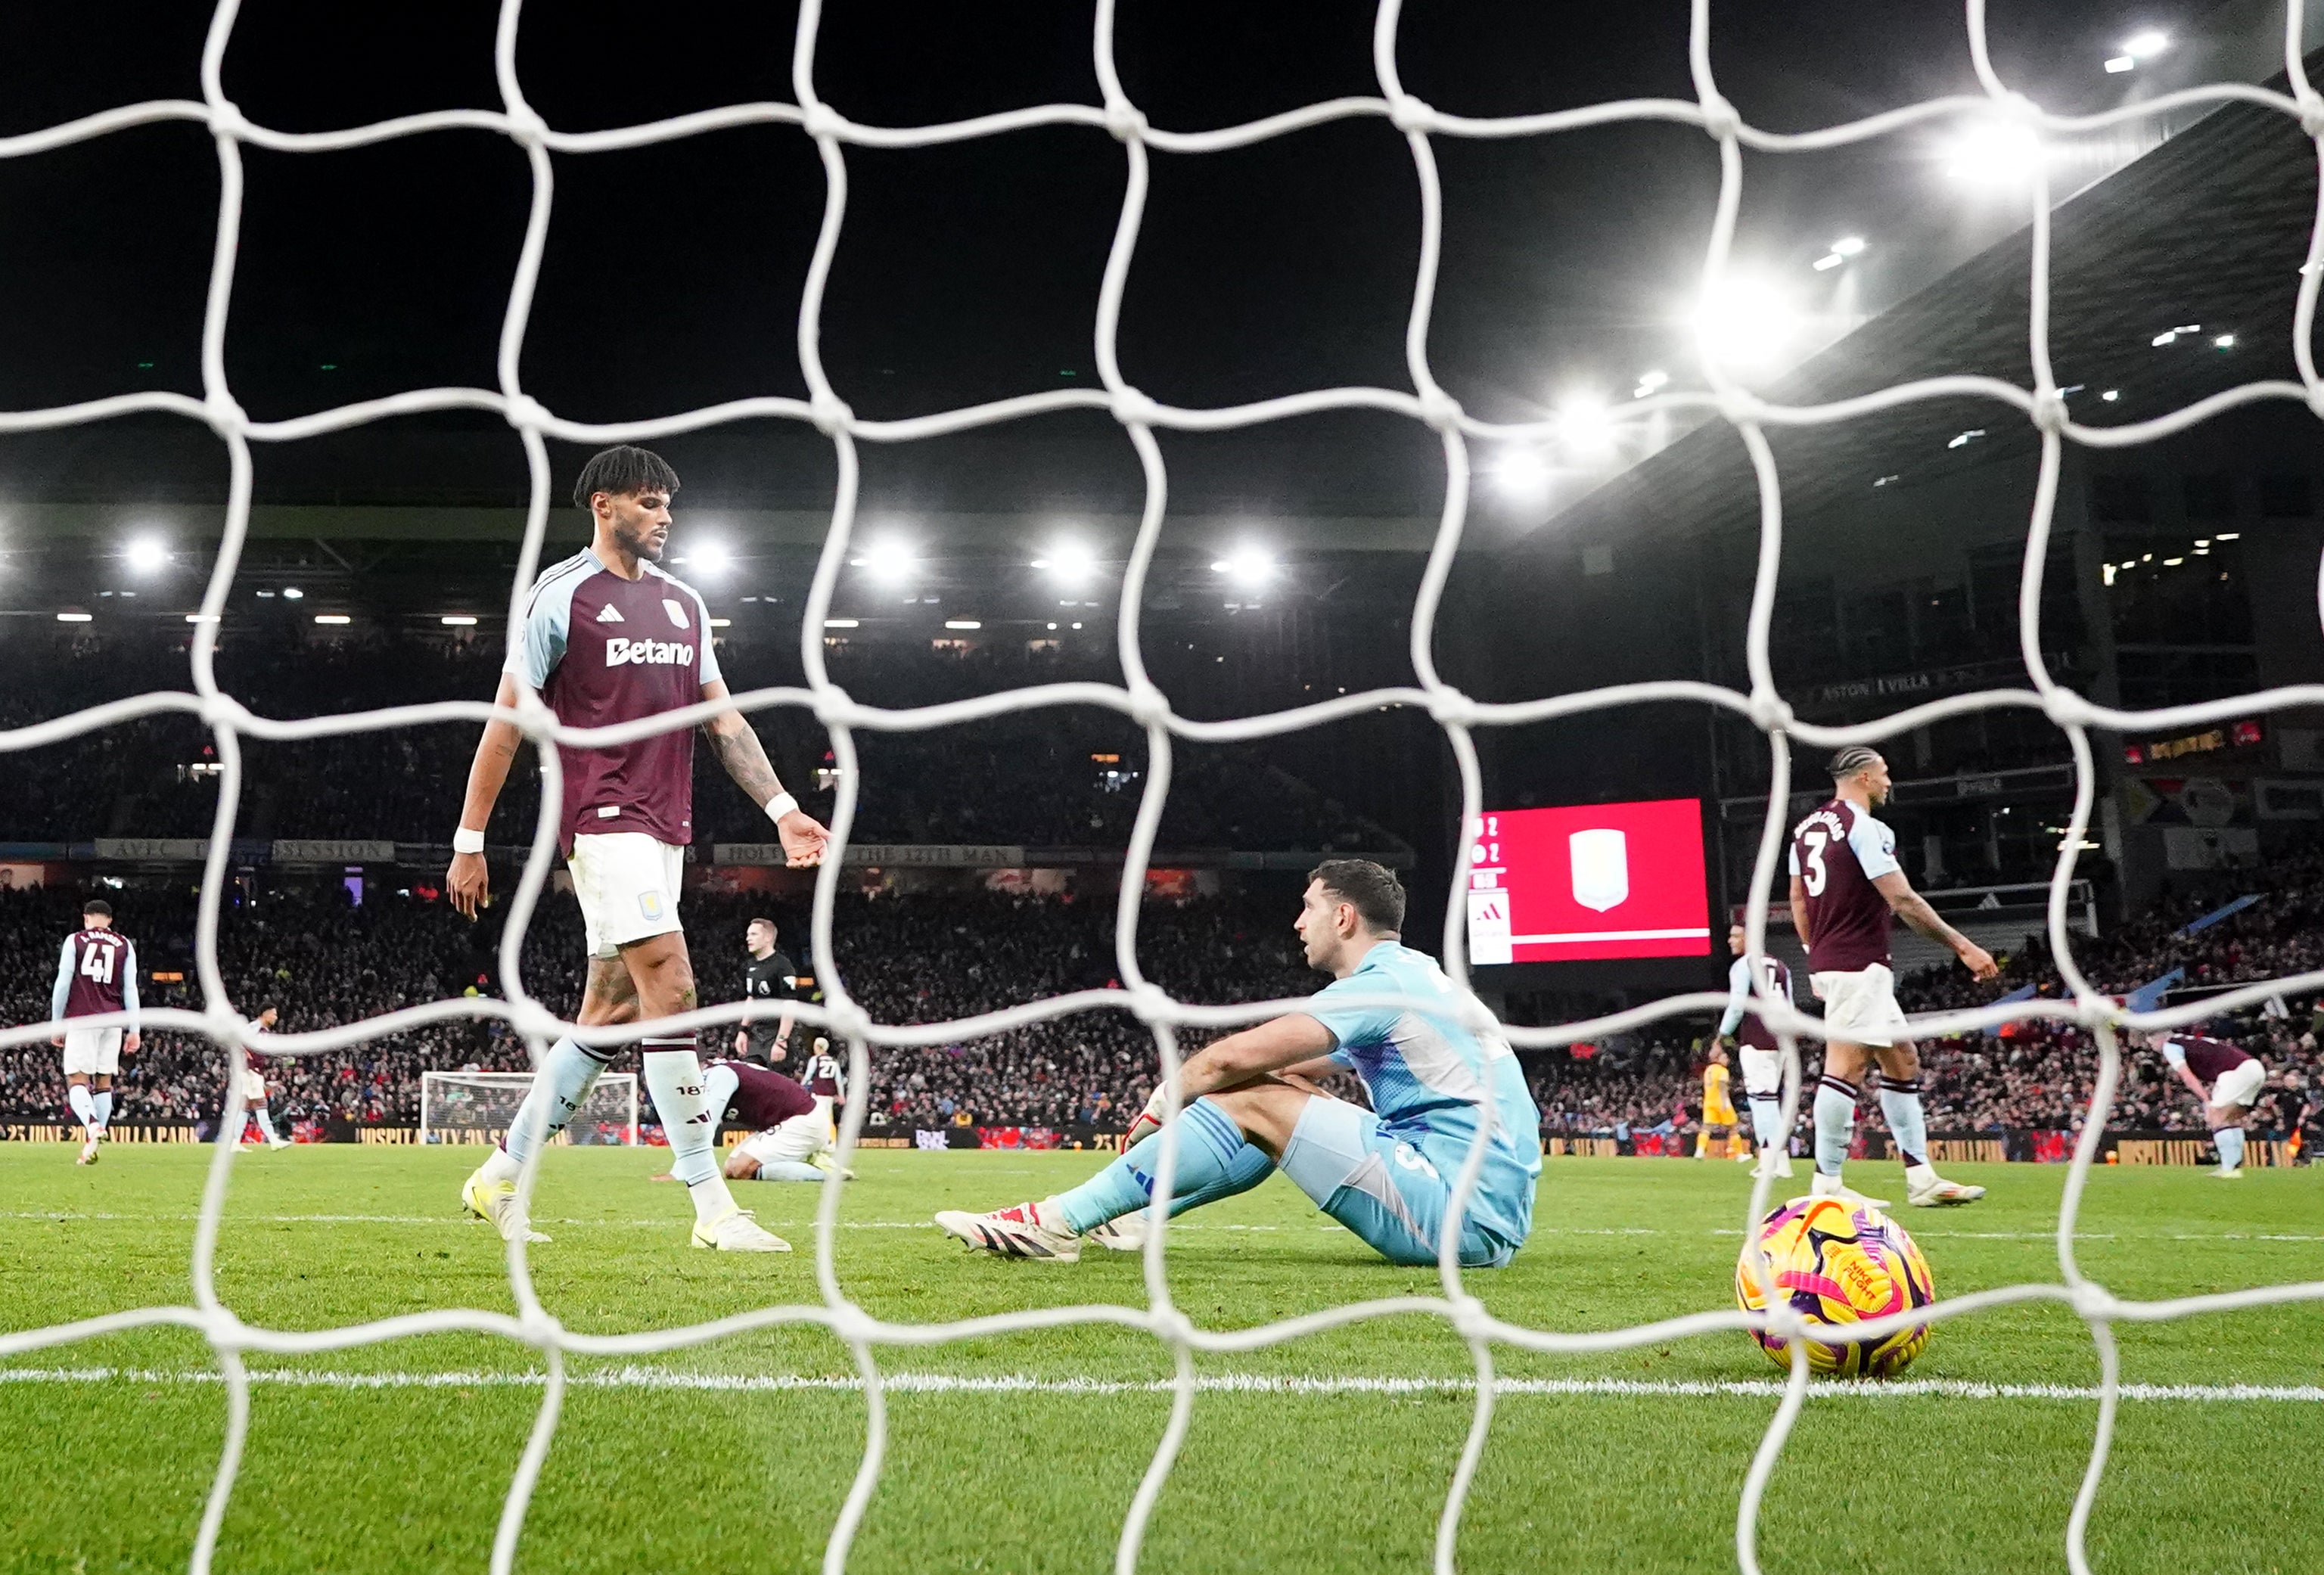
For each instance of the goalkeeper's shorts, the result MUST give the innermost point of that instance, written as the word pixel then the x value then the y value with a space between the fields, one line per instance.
pixel 1387 1189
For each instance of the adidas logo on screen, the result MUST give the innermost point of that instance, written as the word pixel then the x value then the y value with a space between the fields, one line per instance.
pixel 651 653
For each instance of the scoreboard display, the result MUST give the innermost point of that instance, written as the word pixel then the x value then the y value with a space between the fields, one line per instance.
pixel 1588 883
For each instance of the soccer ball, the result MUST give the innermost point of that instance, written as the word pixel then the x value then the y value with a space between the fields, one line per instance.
pixel 1839 1265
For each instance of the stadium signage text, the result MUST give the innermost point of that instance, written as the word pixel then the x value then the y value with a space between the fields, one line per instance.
pixel 1929 680
pixel 945 855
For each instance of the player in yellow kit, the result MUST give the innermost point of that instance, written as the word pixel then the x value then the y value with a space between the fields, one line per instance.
pixel 1718 1134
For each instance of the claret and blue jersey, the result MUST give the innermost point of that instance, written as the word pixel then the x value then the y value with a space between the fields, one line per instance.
pixel 1426 1074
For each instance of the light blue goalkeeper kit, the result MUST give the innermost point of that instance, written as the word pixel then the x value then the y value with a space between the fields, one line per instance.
pixel 1387 1173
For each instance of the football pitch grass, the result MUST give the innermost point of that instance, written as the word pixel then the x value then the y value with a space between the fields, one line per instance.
pixel 1333 1452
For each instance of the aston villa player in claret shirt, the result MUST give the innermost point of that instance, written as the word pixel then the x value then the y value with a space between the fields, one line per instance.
pixel 607 636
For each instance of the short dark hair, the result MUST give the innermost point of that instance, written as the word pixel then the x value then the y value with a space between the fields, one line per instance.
pixel 623 470
pixel 1852 760
pixel 1374 889
pixel 97 906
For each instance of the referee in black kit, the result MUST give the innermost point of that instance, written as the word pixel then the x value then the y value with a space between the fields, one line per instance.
pixel 768 976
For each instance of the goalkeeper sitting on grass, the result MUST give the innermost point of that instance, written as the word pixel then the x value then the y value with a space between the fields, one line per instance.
pixel 1250 1106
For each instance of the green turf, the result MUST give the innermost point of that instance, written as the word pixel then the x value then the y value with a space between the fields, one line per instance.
pixel 110 1474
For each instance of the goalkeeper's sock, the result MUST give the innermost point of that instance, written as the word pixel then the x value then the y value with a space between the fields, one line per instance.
pixel 1835 1124
pixel 1900 1105
pixel 102 1099
pixel 674 1078
pixel 265 1119
pixel 568 1072
pixel 1213 1160
pixel 84 1105
pixel 2229 1141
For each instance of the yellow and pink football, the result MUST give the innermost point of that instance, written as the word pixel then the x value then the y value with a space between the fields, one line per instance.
pixel 1838 1265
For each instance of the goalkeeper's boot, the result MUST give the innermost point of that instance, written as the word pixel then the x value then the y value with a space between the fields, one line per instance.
pixel 1829 1186
pixel 495 1201
pixel 1013 1232
pixel 737 1230
pixel 826 1161
pixel 1127 1234
pixel 1925 1189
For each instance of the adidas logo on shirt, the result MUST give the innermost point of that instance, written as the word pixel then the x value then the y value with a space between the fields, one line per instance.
pixel 650 652
pixel 610 614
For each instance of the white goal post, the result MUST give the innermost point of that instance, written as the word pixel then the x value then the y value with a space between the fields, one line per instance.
pixel 476 1107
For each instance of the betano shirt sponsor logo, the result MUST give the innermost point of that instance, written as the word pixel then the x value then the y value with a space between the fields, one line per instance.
pixel 650 652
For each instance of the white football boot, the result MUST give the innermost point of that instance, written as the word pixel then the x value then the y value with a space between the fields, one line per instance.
pixel 496 1203
pixel 736 1231
pixel 1925 1189
pixel 1127 1234
pixel 1017 1232
pixel 1772 1163
pixel 1829 1186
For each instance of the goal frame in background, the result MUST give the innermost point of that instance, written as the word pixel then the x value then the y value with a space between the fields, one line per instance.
pixel 1138 698
pixel 622 1083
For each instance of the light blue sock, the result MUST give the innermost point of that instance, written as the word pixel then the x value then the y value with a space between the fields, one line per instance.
pixel 1900 1106
pixel 1835 1124
pixel 103 1100
pixel 1213 1162
pixel 568 1072
pixel 1767 1119
pixel 2230 1142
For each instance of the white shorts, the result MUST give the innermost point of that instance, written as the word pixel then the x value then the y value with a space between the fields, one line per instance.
pixel 628 884
pixel 2239 1085
pixel 1762 1070
pixel 1861 1008
pixel 794 1142
pixel 254 1086
pixel 92 1052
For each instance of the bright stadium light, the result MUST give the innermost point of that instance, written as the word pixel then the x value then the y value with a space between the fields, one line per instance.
pixel 1745 324
pixel 1247 567
pixel 709 558
pixel 1521 474
pixel 1070 561
pixel 1585 425
pixel 1650 382
pixel 332 620
pixel 842 623
pixel 1993 154
pixel 147 555
pixel 1828 260
pixel 72 617
pixel 889 562
pixel 2146 44
pixel 2117 64
pixel 963 623
pixel 459 621
pixel 291 592
pixel 1849 245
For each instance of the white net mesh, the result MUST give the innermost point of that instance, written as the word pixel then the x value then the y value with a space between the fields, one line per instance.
pixel 479 1107
pixel 1140 699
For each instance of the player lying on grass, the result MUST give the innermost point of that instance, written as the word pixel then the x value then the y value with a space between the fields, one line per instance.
pixel 1251 1107
pixel 2234 1075
pixel 789 1140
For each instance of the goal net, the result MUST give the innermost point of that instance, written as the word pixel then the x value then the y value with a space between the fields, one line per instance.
pixel 476 1107
pixel 2033 398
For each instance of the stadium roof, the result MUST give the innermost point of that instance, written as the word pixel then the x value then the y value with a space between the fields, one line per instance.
pixel 2207 229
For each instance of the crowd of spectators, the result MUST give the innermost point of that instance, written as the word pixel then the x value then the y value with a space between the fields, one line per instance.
pixel 937 956
pixel 1059 776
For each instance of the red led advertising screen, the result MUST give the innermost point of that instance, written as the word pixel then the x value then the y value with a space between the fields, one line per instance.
pixel 1589 881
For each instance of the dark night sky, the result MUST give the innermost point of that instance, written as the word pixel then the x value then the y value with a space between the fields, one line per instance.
pixel 965 273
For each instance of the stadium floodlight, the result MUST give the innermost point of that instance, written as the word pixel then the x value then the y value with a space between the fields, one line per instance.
pixel 1071 561
pixel 1247 567
pixel 1585 424
pixel 963 623
pixel 2224 342
pixel 72 617
pixel 1745 324
pixel 2145 44
pixel 201 618
pixel 147 555
pixel 889 562
pixel 293 593
pixel 1521 474
pixel 709 558
pixel 1649 383
pixel 1828 260
pixel 1995 154
pixel 1849 245
pixel 2111 395
pixel 459 621
pixel 842 623
pixel 332 620
pixel 2118 64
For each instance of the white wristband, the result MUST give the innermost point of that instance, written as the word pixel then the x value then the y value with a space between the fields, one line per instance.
pixel 465 841
pixel 779 805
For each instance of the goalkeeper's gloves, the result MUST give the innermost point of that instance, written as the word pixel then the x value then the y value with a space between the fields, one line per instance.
pixel 1148 1122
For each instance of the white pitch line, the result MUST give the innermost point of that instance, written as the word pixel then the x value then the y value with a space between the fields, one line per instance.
pixel 664 1378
